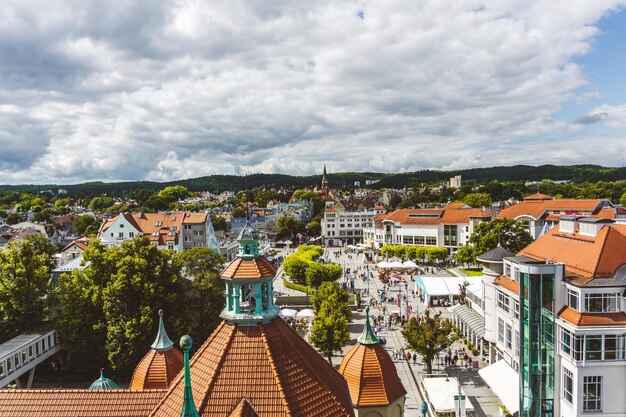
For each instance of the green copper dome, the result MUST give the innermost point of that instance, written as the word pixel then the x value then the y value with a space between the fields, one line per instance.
pixel 162 341
pixel 248 233
pixel 103 383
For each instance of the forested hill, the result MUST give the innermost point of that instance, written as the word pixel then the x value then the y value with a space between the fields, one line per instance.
pixel 219 183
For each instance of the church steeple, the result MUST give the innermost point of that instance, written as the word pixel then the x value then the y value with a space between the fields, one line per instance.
pixel 325 192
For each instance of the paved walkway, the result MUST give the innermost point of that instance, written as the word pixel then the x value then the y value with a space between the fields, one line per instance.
pixel 484 400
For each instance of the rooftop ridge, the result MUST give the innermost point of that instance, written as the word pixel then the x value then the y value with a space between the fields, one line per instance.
pixel 277 376
pixel 606 238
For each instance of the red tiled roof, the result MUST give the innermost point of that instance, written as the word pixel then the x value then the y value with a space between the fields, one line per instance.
pixel 538 208
pixel 538 196
pixel 371 375
pixel 507 283
pixel 433 216
pixel 157 369
pixel 241 268
pixel 243 409
pixel 79 243
pixel 146 223
pixel 592 319
pixel 586 256
pixel 78 403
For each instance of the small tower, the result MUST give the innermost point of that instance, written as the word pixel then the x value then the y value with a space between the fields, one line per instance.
pixel 372 377
pixel 160 365
pixel 103 383
pixel 248 278
pixel 189 407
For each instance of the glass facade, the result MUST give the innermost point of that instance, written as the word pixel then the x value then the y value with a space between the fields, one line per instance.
pixel 537 345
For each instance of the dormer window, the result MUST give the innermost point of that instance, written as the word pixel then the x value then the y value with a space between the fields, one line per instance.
pixel 158 224
pixel 602 302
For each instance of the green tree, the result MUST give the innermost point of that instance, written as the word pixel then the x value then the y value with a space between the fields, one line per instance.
pixel 329 332
pixel 100 203
pixel 317 273
pixel 113 302
pixel 204 266
pixel 174 193
pixel 141 196
pixel 288 227
pixel 25 268
pixel 477 200
pixel 219 223
pixel 13 218
pixel 465 255
pixel 437 253
pixel 238 212
pixel 511 234
pixel 622 200
pixel 155 204
pixel 295 265
pixel 86 225
pixel 314 229
pixel 427 335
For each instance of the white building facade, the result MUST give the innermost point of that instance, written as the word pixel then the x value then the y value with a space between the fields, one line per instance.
pixel 340 227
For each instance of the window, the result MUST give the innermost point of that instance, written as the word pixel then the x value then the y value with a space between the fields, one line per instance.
pixel 431 241
pixel 509 336
pixel 131 234
pixel 566 340
pixel 592 393
pixel 516 309
pixel 30 351
pixel 198 244
pixel 593 347
pixel 158 224
pixel 170 245
pixel 120 235
pixel 500 330
pixel 407 240
pixel 187 227
pixel 613 347
pixel 155 234
pixel 572 299
pixel 516 344
pixel 187 239
pixel 449 235
pixel 602 303
pixel 568 385
pixel 503 301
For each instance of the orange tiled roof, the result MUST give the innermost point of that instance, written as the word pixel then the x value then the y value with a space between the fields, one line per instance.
pixel 82 403
pixel 194 218
pixel 592 319
pixel 432 216
pixel 507 283
pixel 146 223
pixel 586 256
pixel 241 268
pixel 538 208
pixel 371 375
pixel 268 364
pixel 157 369
pixel 79 243
pixel 605 213
pixel 538 196
pixel 243 409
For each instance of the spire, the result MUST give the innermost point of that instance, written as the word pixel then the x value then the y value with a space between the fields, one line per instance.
pixel 189 408
pixel 324 169
pixel 368 337
pixel 162 341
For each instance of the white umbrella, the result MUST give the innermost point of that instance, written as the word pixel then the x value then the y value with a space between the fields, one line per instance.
pixel 306 313
pixel 287 313
pixel 383 264
pixel 396 264
pixel 409 264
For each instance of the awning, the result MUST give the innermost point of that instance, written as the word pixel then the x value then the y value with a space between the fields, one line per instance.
pixel 508 392
pixel 441 391
pixel 471 318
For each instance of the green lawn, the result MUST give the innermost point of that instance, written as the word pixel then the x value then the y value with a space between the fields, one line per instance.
pixel 472 272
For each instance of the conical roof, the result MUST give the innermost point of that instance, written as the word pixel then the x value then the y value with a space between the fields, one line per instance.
pixel 268 364
pixel 248 233
pixel 158 368
pixel 103 383
pixel 244 409
pixel 371 374
pixel 494 255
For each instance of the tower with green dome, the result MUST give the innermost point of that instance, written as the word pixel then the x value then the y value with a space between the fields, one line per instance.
pixel 103 383
pixel 248 280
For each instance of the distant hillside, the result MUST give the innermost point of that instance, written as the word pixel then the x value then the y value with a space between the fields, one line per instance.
pixel 219 183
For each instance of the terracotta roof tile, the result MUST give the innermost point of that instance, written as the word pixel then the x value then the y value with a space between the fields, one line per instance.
pixel 539 208
pixel 538 196
pixel 269 365
pixel 507 283
pixel 585 256
pixel 433 216
pixel 78 403
pixel 592 319
pixel 371 375
pixel 241 268
pixel 157 369
pixel 243 409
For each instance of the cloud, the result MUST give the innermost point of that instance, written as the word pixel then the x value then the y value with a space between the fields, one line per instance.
pixel 613 116
pixel 163 90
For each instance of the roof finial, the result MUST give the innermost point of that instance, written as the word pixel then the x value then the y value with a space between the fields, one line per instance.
pixel 189 408
pixel 368 337
pixel 162 341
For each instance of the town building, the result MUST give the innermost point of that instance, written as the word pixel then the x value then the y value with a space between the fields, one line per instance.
pixel 174 231
pixel 341 227
pixel 555 320
pixel 450 226
pixel 455 182
pixel 541 212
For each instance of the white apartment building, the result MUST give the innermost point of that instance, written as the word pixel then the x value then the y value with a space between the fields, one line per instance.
pixel 340 227
pixel 555 321
pixel 175 231
pixel 450 226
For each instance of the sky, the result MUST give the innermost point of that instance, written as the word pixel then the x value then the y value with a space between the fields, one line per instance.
pixel 164 90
